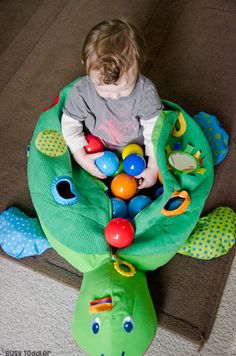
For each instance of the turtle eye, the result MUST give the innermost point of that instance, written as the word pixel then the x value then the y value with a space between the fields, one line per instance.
pixel 96 325
pixel 128 324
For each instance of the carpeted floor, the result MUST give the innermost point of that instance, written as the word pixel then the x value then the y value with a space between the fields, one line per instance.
pixel 192 62
pixel 36 315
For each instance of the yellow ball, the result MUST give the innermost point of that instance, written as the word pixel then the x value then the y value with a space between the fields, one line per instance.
pixel 132 148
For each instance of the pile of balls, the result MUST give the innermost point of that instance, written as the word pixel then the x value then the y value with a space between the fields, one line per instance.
pixel 119 231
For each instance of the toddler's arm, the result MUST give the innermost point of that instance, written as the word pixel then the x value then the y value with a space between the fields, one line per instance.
pixel 149 176
pixel 72 131
pixel 148 126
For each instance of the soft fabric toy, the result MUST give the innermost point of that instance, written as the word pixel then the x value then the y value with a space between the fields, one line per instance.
pixel 213 236
pixel 215 134
pixel 114 306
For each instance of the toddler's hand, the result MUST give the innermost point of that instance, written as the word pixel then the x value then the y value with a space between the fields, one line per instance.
pixel 147 178
pixel 87 162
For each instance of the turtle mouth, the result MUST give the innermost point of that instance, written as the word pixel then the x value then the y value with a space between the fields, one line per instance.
pixel 122 354
pixel 100 305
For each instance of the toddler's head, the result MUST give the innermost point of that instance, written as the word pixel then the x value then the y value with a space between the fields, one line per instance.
pixel 113 54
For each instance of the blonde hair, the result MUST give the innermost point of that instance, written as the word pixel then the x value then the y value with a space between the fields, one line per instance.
pixel 112 47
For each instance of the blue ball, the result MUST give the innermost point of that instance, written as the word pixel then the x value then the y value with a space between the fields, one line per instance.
pixel 134 164
pixel 137 204
pixel 174 203
pixel 158 192
pixel 108 163
pixel 177 145
pixel 119 208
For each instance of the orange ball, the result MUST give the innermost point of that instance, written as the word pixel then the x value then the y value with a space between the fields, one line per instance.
pixel 159 177
pixel 123 186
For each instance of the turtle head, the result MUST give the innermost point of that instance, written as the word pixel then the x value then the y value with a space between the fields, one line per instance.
pixel 114 315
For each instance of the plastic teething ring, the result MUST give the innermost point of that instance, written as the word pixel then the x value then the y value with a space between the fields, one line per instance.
pixel 117 266
pixel 182 208
pixel 183 126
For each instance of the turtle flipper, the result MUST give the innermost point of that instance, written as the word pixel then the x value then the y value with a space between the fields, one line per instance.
pixel 20 235
pixel 213 236
pixel 71 205
pixel 160 231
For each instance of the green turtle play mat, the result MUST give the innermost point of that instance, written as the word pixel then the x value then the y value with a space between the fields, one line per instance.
pixel 114 314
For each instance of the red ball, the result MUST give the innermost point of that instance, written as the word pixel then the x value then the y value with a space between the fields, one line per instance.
pixel 119 232
pixel 94 144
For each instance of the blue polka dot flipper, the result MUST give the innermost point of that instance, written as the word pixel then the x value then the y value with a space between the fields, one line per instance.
pixel 217 137
pixel 20 235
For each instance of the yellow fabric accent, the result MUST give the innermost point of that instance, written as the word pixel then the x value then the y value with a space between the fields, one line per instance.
pixel 100 308
pixel 168 149
pixel 201 170
pixel 197 154
pixel 183 126
pixel 117 267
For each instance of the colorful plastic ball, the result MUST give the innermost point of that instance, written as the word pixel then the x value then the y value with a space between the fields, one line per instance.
pixel 158 192
pixel 94 144
pixel 119 208
pixel 108 163
pixel 132 148
pixel 174 203
pixel 134 164
pixel 119 233
pixel 159 177
pixel 137 204
pixel 120 169
pixel 123 186
pixel 177 146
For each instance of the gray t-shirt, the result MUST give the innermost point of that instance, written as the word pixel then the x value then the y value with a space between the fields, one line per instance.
pixel 116 122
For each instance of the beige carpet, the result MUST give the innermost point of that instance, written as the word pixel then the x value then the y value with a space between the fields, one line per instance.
pixel 35 314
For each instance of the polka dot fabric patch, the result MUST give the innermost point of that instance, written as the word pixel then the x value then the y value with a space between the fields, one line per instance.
pixel 20 235
pixel 213 236
pixel 217 137
pixel 51 143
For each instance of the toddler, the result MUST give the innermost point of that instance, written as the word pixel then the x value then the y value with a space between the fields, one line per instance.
pixel 114 101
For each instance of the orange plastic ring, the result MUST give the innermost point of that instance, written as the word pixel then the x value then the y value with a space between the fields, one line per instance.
pixel 182 208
